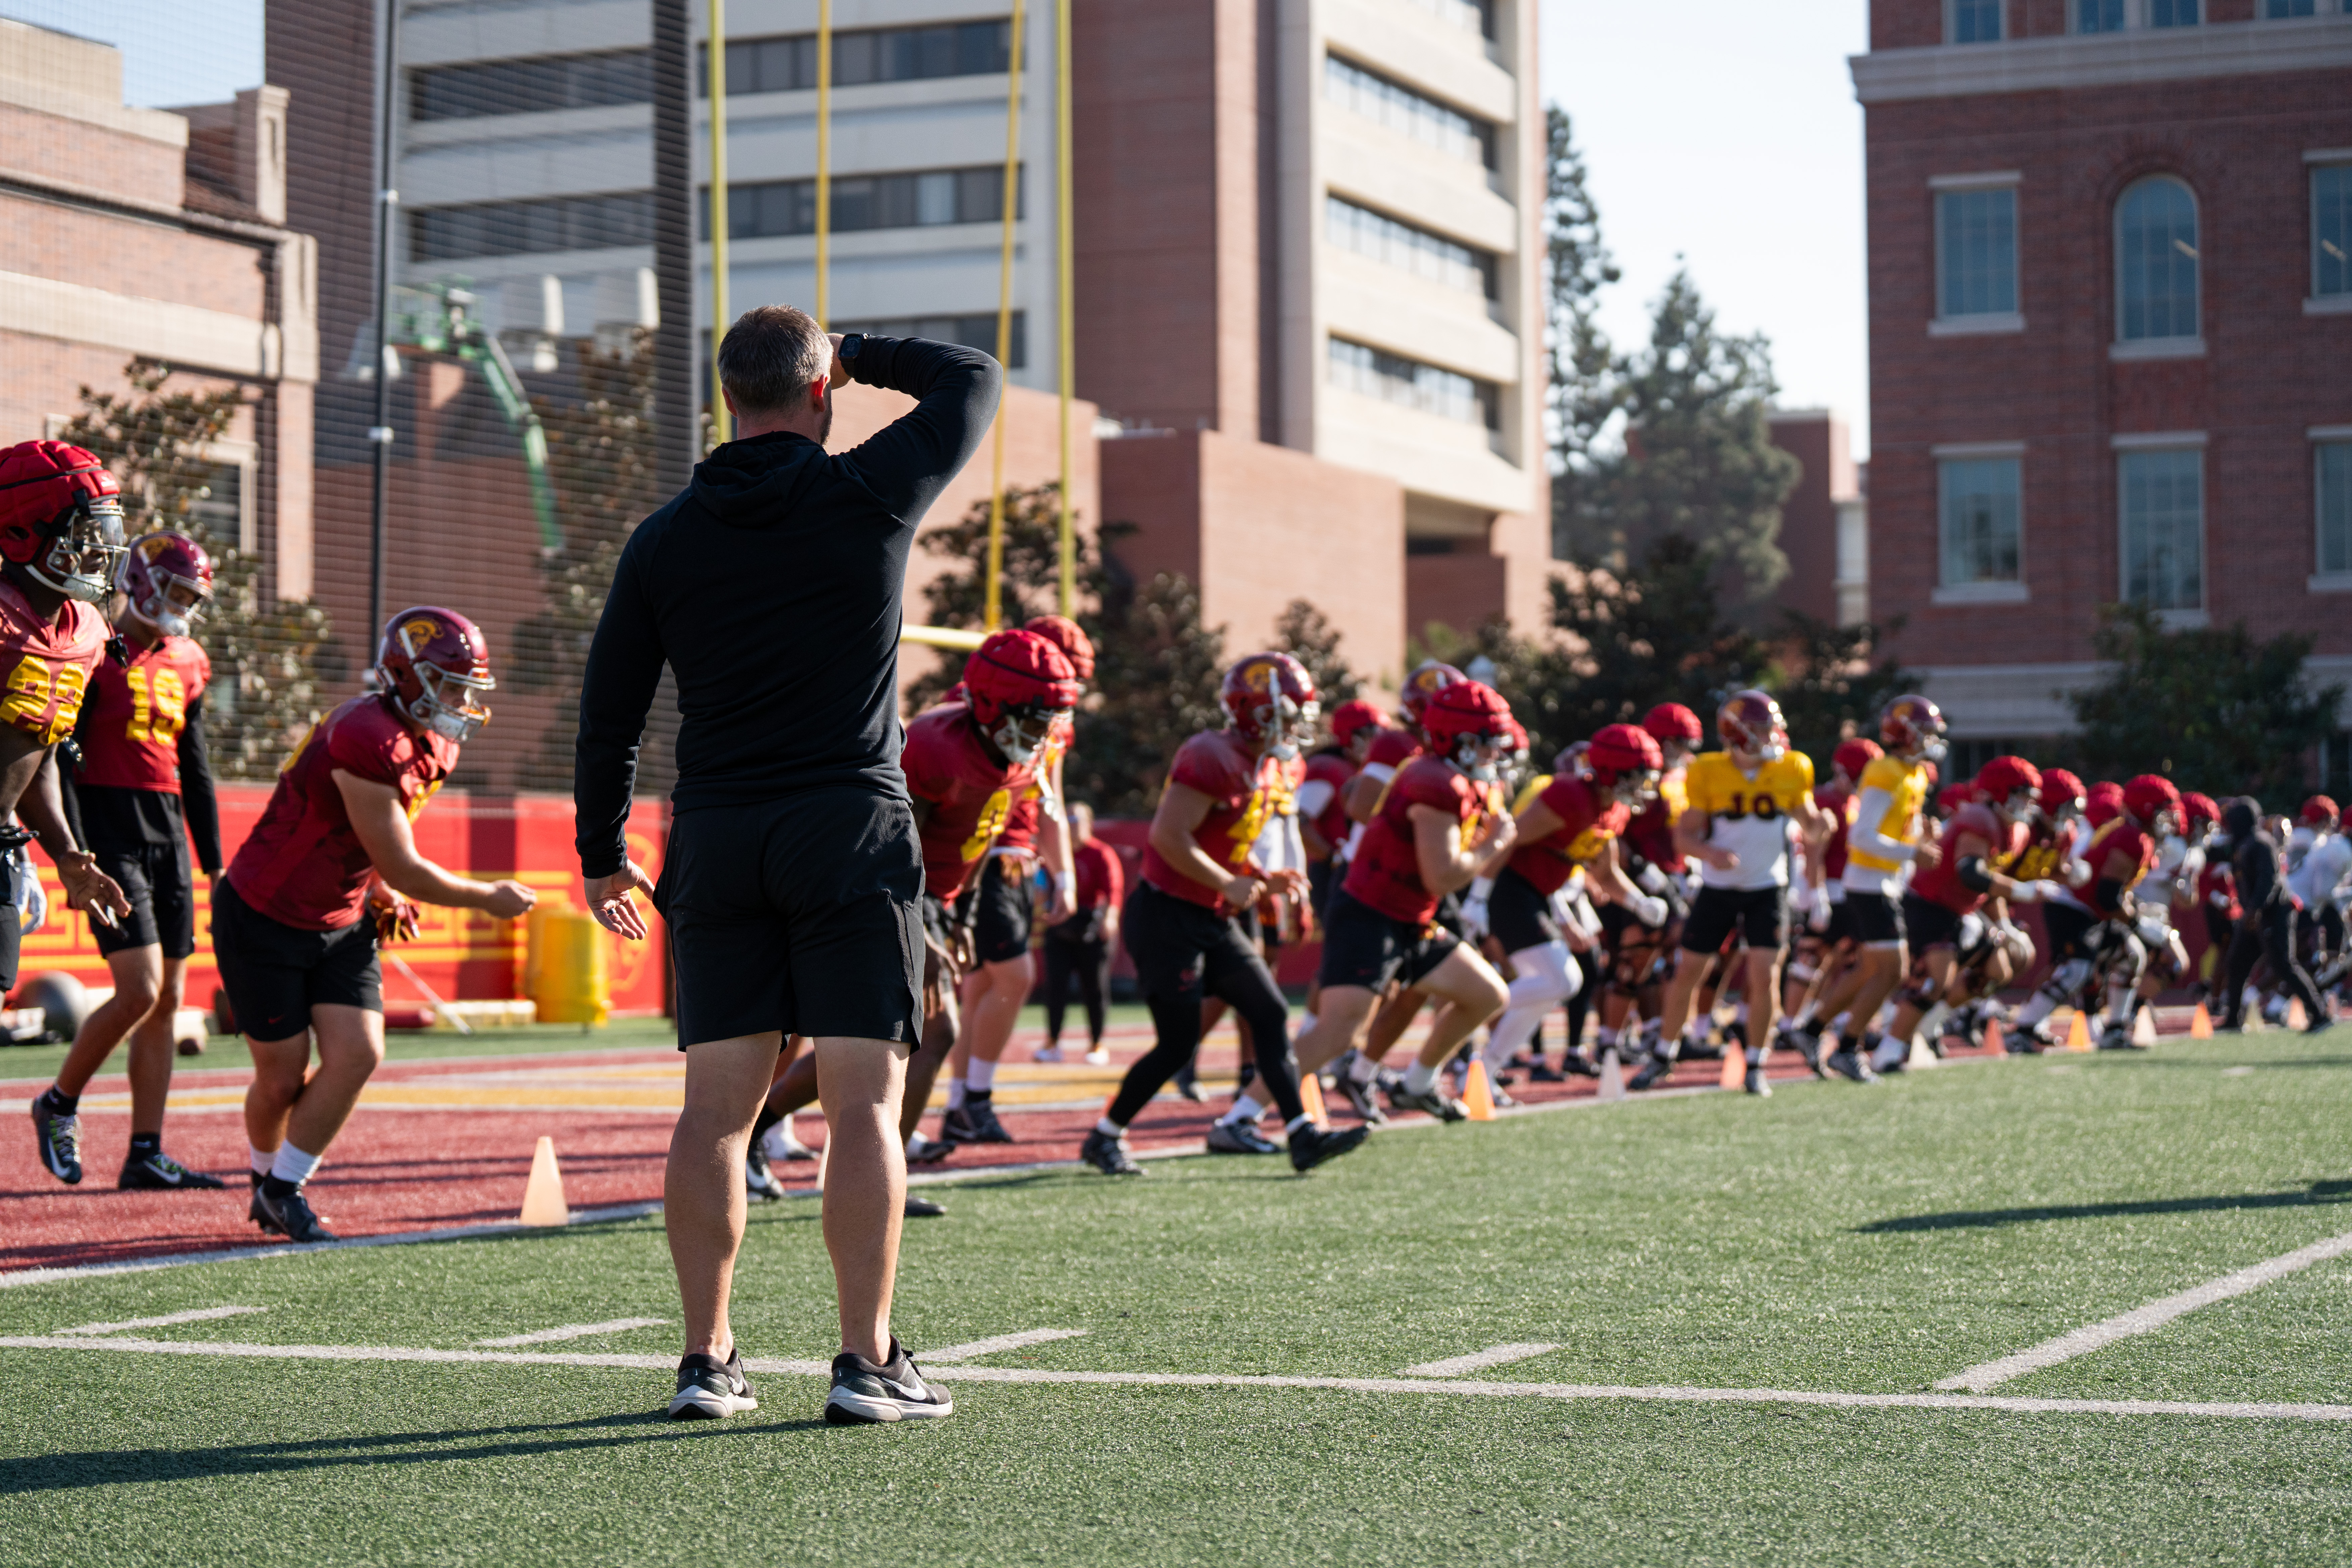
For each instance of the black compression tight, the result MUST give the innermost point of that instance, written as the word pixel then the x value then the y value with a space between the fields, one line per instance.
pixel 1250 991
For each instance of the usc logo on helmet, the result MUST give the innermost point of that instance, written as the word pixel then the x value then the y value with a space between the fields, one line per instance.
pixel 1258 676
pixel 419 632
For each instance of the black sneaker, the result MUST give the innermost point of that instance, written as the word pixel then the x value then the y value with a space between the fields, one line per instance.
pixel 1107 1154
pixel 2118 1037
pixel 1238 1138
pixel 864 1393
pixel 257 1213
pixel 980 1115
pixel 291 1215
pixel 1848 1064
pixel 1543 1072
pixel 922 1150
pixel 709 1389
pixel 1433 1099
pixel 759 1179
pixel 922 1208
pixel 1807 1044
pixel 1362 1100
pixel 1653 1070
pixel 60 1139
pixel 957 1126
pixel 1756 1084
pixel 2029 1042
pixel 1188 1084
pixel 1311 1145
pixel 160 1171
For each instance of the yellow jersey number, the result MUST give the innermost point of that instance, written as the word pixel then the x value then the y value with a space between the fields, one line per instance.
pixel 159 706
pixel 34 687
pixel 991 823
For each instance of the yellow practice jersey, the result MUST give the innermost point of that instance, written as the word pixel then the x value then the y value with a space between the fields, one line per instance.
pixel 1906 787
pixel 1748 813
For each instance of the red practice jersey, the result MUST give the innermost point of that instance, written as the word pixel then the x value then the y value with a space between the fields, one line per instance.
pixel 1021 821
pixel 1393 748
pixel 1097 877
pixel 1839 802
pixel 1331 767
pixel 2216 890
pixel 1244 792
pixel 137 712
pixel 1651 835
pixel 1940 883
pixel 1587 825
pixel 2117 835
pixel 47 663
pixel 1386 872
pixel 971 793
pixel 303 865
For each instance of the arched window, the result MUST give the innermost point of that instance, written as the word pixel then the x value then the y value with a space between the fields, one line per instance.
pixel 2156 261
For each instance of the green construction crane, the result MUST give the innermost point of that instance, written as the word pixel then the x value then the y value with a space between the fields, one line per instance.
pixel 440 319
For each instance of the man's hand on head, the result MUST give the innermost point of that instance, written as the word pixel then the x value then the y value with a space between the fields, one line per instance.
pixel 609 901
pixel 840 365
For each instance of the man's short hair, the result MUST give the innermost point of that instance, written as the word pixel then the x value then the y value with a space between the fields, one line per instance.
pixel 769 358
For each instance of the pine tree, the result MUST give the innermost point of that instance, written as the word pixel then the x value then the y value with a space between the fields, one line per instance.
pixel 1639 638
pixel 1156 673
pixel 267 684
pixel 1307 635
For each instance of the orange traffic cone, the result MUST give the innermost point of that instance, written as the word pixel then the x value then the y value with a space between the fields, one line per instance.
pixel 1310 1098
pixel 1735 1067
pixel 1994 1045
pixel 2078 1033
pixel 542 1196
pixel 1478 1093
pixel 2296 1018
pixel 2200 1023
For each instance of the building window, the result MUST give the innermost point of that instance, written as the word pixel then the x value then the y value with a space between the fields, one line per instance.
pixel 1976 233
pixel 2331 229
pixel 2279 10
pixel 788 64
pixel 2175 13
pixel 1978 514
pixel 2098 16
pixel 1401 244
pixel 530 86
pixel 2156 261
pixel 977 330
pixel 530 228
pixel 1976 21
pixel 2334 483
pixel 2163 495
pixel 1392 378
pixel 770 209
pixel 1407 113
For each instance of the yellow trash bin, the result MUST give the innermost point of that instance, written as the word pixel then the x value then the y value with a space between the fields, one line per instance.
pixel 564 967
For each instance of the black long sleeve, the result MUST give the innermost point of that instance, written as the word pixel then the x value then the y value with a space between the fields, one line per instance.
pixel 2256 864
pixel 199 806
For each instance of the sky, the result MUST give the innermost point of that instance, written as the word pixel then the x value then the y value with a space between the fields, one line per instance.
pixel 1725 132
pixel 1720 133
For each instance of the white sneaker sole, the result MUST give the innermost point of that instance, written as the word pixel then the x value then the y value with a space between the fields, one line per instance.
pixel 701 1405
pixel 864 1408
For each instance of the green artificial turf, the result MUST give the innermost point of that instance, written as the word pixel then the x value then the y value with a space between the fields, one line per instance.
pixel 1829 1238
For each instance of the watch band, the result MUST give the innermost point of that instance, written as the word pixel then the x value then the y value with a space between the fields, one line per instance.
pixel 850 344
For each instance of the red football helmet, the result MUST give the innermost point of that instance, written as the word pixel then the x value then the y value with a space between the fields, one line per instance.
pixel 1018 686
pixel 431 665
pixel 1428 678
pixel 1270 699
pixel 2103 803
pixel 2199 813
pixel 1468 724
pixel 2009 785
pixel 2150 798
pixel 168 579
pixel 1913 729
pixel 1065 634
pixel 1852 756
pixel 1750 722
pixel 61 518
pixel 1574 761
pixel 1354 717
pixel 1673 727
pixel 1951 797
pixel 1626 761
pixel 2061 794
pixel 2320 812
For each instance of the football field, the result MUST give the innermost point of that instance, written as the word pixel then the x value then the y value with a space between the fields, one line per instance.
pixel 2068 1309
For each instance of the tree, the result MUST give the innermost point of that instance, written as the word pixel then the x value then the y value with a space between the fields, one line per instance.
pixel 1156 671
pixel 1576 266
pixel 1641 637
pixel 2210 708
pixel 1308 636
pixel 1828 687
pixel 267 654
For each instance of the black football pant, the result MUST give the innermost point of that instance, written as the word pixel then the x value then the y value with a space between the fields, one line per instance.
pixel 1085 959
pixel 1184 952
pixel 2268 932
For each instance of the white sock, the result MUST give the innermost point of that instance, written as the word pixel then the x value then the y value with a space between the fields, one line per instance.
pixel 262 1159
pixel 1291 1127
pixel 1246 1112
pixel 1109 1129
pixel 955 1094
pixel 980 1074
pixel 1363 1069
pixel 1420 1077
pixel 291 1164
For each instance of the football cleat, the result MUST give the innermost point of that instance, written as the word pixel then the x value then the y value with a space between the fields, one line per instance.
pixel 864 1393
pixel 159 1172
pixel 58 1139
pixel 258 1215
pixel 1848 1064
pixel 2118 1037
pixel 1652 1071
pixel 1756 1084
pixel 922 1150
pixel 709 1389
pixel 1807 1044
pixel 759 1181
pixel 1360 1099
pixel 292 1215
pixel 1311 1145
pixel 1050 1055
pixel 1432 1100
pixel 957 1125
pixel 781 1144
pixel 1238 1138
pixel 1107 1154
pixel 980 1115
pixel 1098 1057
pixel 1188 1084
pixel 922 1208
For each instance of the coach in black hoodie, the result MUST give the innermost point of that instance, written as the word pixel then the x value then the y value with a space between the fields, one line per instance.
pixel 773 589
pixel 2267 928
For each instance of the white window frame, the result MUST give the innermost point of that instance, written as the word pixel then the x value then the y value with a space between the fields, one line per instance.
pixel 2118 346
pixel 2315 304
pixel 2322 437
pixel 1952 25
pixel 1940 325
pixel 2119 447
pixel 1994 592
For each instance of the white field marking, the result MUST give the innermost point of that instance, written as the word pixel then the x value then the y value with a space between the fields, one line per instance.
pixel 1493 1355
pixel 2143 1320
pixel 2236 1071
pixel 201 1314
pixel 1460 1388
pixel 1000 1343
pixel 575 1332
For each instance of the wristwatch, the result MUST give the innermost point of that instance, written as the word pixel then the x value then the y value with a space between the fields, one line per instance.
pixel 850 344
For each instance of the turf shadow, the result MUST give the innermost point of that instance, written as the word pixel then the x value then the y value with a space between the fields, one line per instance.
pixel 2317 1194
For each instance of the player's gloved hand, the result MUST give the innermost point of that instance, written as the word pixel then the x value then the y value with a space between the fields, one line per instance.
pixel 1647 908
pixel 1651 880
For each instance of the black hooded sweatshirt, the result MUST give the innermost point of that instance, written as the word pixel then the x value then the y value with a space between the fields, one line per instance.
pixel 2254 858
pixel 773 588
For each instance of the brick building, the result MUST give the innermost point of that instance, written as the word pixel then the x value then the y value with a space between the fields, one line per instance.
pixel 2111 314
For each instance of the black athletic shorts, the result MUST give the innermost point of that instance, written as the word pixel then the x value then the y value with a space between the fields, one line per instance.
pixel 1877 917
pixel 1519 915
pixel 162 889
pixel 1841 926
pixel 1001 911
pixel 12 929
pixel 801 914
pixel 1758 914
pixel 2075 933
pixel 274 974
pixel 1181 947
pixel 1927 923
pixel 1364 947
pixel 1322 876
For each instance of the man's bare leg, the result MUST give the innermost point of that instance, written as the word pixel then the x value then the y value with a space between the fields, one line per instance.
pixel 703 1200
pixel 1469 991
pixel 1345 1008
pixel 287 1104
pixel 862 1084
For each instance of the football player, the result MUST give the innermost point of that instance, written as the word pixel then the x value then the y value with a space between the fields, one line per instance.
pixel 144 792
pixel 1887 835
pixel 1188 921
pixel 1740 801
pixel 2318 882
pixel 1636 951
pixel 1440 826
pixel 2090 920
pixel 1323 823
pixel 1575 821
pixel 325 876
pixel 1826 945
pixel 2258 863
pixel 60 546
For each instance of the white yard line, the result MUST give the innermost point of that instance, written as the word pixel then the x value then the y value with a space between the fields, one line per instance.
pixel 1000 1342
pixel 2143 1320
pixel 202 1314
pixel 1567 1392
pixel 575 1332
pixel 1494 1355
